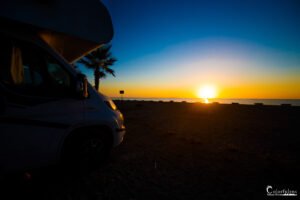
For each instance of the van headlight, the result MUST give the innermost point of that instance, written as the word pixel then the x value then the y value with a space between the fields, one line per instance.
pixel 111 104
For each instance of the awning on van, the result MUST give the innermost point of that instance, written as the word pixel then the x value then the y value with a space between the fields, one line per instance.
pixel 73 28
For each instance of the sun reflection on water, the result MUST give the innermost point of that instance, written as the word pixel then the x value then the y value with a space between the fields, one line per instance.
pixel 205 100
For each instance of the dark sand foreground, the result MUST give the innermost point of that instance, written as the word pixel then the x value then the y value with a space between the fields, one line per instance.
pixel 192 151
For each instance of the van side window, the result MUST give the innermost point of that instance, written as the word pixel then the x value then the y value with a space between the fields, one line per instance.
pixel 29 70
pixel 25 71
pixel 58 76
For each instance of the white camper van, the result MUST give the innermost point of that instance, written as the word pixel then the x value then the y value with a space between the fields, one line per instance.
pixel 48 111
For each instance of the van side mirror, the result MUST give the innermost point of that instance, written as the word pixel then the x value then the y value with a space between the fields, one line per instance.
pixel 82 86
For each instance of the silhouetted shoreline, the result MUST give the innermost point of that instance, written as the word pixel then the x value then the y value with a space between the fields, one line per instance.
pixel 225 101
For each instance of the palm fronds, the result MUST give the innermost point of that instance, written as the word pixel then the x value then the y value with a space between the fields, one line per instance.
pixel 100 61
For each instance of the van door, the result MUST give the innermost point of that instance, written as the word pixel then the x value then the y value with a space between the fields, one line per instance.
pixel 37 105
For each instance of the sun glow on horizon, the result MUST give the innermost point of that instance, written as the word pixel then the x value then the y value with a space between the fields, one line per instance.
pixel 207 92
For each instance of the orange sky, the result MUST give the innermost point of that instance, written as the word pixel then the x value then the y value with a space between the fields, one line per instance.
pixel 236 71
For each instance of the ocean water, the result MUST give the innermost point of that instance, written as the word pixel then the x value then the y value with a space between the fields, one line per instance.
pixel 293 102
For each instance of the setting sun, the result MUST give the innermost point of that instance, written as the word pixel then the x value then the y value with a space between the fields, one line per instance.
pixel 207 92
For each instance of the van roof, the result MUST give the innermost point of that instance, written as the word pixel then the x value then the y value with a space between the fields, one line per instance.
pixel 71 27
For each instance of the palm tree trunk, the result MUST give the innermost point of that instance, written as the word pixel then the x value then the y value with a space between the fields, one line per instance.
pixel 97 78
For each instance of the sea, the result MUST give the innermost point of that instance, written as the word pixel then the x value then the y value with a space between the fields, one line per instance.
pixel 292 102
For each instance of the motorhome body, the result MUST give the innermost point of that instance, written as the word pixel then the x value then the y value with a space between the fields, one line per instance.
pixel 48 111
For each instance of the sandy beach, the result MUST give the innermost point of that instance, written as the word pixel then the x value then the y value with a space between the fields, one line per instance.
pixel 192 151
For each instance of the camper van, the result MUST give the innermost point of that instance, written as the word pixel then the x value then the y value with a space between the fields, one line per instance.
pixel 49 113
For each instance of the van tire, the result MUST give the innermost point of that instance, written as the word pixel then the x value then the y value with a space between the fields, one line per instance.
pixel 86 152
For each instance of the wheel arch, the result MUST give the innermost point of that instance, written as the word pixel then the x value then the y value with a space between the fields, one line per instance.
pixel 85 131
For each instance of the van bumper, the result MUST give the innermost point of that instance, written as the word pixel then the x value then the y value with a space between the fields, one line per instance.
pixel 119 135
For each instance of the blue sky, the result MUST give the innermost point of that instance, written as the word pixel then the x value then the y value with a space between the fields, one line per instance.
pixel 161 43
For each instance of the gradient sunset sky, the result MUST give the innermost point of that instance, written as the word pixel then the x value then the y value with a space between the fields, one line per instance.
pixel 171 48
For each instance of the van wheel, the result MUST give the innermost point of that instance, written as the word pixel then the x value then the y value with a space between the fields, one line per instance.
pixel 87 153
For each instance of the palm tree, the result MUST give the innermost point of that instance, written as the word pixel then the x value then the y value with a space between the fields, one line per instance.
pixel 100 61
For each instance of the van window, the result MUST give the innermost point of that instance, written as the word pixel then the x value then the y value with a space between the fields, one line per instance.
pixel 29 70
pixel 58 76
